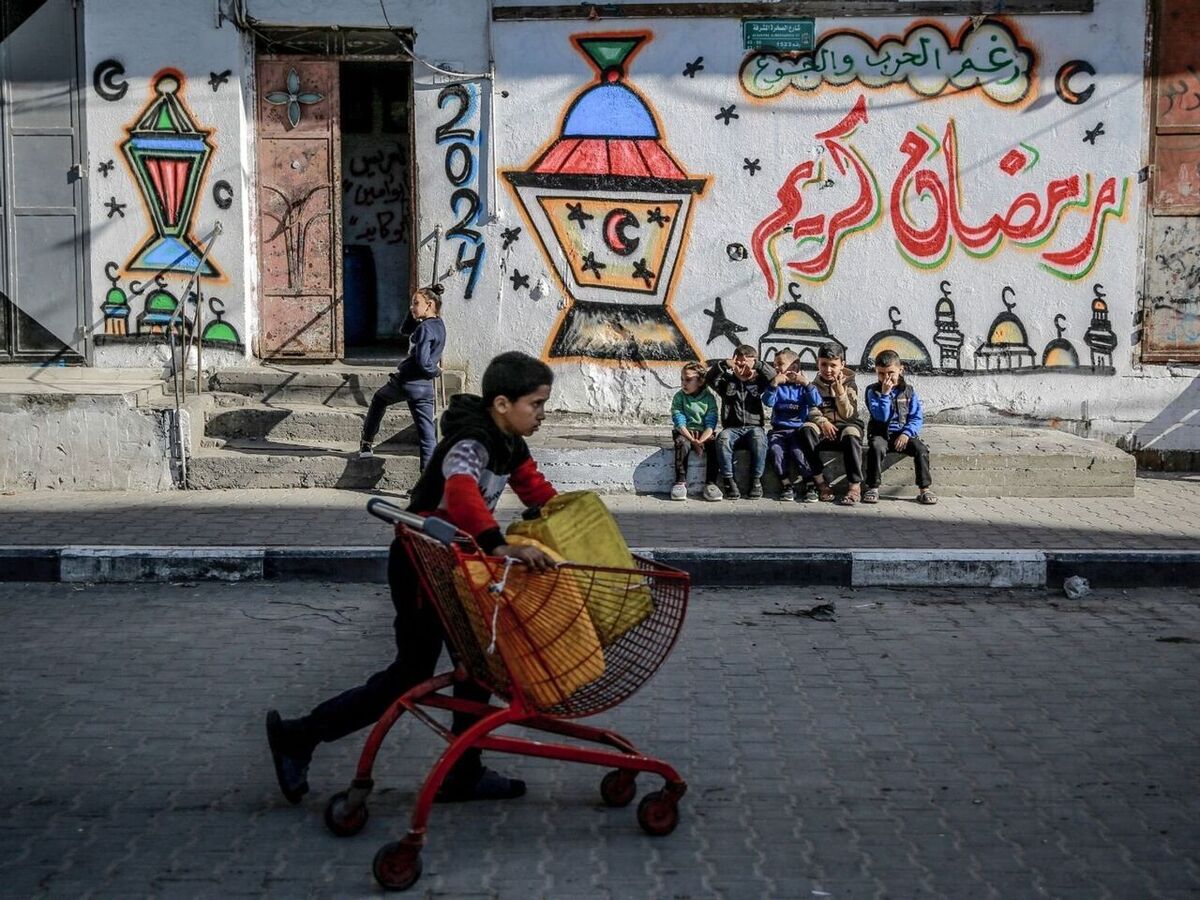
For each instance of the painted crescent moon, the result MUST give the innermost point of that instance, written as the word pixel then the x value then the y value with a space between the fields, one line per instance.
pixel 615 224
pixel 1062 82
pixel 107 80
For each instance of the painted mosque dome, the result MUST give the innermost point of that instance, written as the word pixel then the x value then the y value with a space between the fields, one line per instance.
pixel 797 327
pixel 912 352
pixel 1060 353
pixel 1007 345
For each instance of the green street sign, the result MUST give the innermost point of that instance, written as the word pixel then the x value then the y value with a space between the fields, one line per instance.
pixel 778 34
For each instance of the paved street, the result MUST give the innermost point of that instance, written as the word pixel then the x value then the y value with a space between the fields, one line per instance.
pixel 1161 516
pixel 924 744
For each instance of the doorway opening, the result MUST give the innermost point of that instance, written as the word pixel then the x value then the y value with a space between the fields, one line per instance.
pixel 377 206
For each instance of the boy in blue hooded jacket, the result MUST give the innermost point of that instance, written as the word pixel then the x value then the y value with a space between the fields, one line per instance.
pixel 896 419
pixel 791 399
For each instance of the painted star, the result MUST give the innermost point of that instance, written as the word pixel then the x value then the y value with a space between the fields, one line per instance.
pixel 510 237
pixel 1090 137
pixel 656 216
pixel 640 270
pixel 216 79
pixel 518 280
pixel 727 113
pixel 723 326
pixel 106 167
pixel 577 214
pixel 115 208
pixel 591 265
pixel 690 69
pixel 751 165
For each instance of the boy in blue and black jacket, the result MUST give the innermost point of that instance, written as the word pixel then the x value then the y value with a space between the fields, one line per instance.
pixel 896 419
pixel 791 399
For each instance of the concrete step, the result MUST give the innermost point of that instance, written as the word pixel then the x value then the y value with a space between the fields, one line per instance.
pixel 967 461
pixel 268 464
pixel 307 424
pixel 338 385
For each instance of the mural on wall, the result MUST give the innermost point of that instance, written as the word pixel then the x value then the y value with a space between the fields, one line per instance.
pixel 608 197
pixel 929 210
pixel 926 59
pixel 461 170
pixel 160 314
pixel 168 155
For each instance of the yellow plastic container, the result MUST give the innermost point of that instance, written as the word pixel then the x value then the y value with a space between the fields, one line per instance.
pixel 579 527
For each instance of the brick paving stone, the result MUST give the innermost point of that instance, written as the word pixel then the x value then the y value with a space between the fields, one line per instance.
pixel 926 744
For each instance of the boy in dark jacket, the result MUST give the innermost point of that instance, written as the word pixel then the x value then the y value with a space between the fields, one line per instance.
pixel 896 419
pixel 791 399
pixel 413 380
pixel 482 449
pixel 740 382
pixel 835 424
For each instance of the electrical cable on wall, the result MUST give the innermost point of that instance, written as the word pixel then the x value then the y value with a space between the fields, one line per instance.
pixel 408 51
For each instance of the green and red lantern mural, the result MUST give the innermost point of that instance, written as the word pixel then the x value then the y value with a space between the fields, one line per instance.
pixel 608 198
pixel 168 155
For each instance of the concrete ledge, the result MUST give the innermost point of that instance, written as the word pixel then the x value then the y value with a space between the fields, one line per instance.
pixel 710 568
pixel 29 564
pixel 1125 568
pixel 949 568
pixel 340 564
pixel 114 564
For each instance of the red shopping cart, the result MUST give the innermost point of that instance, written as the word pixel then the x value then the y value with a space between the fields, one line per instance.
pixel 552 647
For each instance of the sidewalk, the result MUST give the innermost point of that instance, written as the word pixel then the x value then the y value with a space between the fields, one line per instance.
pixel 1150 538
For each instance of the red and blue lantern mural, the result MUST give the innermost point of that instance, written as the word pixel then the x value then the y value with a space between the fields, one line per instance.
pixel 608 197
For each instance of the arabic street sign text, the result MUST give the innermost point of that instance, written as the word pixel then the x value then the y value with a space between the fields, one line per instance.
pixel 778 34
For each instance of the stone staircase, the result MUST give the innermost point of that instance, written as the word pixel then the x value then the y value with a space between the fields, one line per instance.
pixel 278 427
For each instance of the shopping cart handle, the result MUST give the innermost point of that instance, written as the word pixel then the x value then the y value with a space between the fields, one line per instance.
pixel 438 529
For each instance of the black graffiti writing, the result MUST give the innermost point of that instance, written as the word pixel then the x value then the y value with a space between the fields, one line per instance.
pixel 382 230
pixel 368 165
pixel 107 80
pixel 367 195
pixel 459 165
pixel 222 194
pixel 1180 88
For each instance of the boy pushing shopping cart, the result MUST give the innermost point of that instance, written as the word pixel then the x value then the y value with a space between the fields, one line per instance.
pixel 555 641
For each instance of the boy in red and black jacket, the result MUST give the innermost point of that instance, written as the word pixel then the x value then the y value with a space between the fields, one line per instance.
pixel 482 449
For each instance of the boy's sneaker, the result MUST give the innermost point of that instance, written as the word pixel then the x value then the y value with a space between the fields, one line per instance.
pixel 364 450
pixel 756 490
pixel 712 492
pixel 730 489
pixel 679 491
pixel 482 785
pixel 787 495
pixel 291 762
pixel 810 493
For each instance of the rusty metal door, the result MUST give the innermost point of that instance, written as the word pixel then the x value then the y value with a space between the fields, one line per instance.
pixel 1171 311
pixel 299 245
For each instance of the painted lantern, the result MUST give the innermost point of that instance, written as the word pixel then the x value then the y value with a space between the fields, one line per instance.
pixel 608 198
pixel 168 155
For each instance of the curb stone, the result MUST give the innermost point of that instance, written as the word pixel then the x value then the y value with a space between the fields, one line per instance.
pixel 730 567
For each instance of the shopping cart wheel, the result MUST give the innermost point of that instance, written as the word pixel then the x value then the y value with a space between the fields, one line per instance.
pixel 618 787
pixel 342 819
pixel 658 813
pixel 397 865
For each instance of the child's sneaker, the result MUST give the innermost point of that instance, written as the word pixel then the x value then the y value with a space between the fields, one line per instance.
pixel 810 494
pixel 364 450
pixel 730 489
pixel 787 495
pixel 679 491
pixel 291 761
pixel 756 490
pixel 712 492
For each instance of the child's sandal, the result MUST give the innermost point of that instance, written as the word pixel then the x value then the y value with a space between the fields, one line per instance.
pixel 927 498
pixel 851 497
pixel 871 495
pixel 825 493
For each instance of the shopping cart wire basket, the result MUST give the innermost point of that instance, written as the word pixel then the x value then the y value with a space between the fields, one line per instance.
pixel 529 638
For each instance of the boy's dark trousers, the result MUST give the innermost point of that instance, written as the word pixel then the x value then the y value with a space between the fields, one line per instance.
pixel 879 444
pixel 419 639
pixel 419 395
pixel 848 441
pixel 683 449
pixel 784 446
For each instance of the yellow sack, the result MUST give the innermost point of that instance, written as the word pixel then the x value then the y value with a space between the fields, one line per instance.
pixel 579 527
pixel 548 639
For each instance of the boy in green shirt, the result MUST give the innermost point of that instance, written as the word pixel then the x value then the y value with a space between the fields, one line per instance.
pixel 694 427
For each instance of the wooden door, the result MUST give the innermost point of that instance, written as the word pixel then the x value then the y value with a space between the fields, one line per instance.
pixel 299 174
